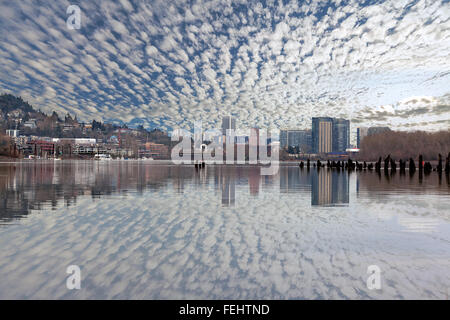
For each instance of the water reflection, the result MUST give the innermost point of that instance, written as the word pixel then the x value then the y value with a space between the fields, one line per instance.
pixel 227 180
pixel 162 231
pixel 32 186
pixel 329 188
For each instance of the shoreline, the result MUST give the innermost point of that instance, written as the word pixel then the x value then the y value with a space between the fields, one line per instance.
pixel 191 163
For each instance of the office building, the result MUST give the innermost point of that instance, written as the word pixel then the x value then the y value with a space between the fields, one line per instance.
pixel 341 135
pixel 330 135
pixel 228 122
pixel 300 139
pixel 322 134
pixel 364 132
pixel 155 150
pixel 360 134
pixel 253 139
pixel 284 138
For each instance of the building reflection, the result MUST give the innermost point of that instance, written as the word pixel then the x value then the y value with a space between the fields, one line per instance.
pixel 329 188
pixel 28 186
pixel 293 180
pixel 225 177
pixel 254 179
pixel 228 191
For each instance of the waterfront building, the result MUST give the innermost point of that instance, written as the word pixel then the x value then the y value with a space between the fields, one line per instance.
pixel 322 134
pixel 330 134
pixel 360 134
pixel 228 122
pixel 341 135
pixel 13 133
pixel 300 139
pixel 254 133
pixel 156 150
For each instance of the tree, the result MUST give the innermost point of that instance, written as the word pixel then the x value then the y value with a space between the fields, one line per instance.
pixel 5 145
pixel 405 145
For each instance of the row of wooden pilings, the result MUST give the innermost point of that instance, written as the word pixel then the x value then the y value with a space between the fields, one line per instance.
pixel 389 162
pixel 200 165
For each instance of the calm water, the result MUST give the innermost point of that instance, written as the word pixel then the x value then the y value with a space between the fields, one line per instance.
pixel 159 231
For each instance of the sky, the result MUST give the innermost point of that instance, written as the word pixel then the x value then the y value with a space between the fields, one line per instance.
pixel 275 64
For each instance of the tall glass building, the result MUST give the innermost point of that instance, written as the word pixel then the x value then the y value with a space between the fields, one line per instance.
pixel 228 122
pixel 296 138
pixel 341 135
pixel 330 135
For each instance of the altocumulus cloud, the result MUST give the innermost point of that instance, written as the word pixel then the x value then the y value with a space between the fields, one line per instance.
pixel 269 63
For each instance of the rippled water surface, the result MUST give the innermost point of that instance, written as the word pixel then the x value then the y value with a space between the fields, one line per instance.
pixel 159 231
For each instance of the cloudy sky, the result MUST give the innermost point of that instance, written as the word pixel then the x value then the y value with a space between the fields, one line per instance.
pixel 270 63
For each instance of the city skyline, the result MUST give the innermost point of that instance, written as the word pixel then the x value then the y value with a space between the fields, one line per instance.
pixel 167 65
pixel 304 140
pixel 15 113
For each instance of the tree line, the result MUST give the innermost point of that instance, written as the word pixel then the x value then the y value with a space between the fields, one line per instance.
pixel 405 145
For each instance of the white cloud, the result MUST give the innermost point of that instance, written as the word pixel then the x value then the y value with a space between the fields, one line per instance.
pixel 254 62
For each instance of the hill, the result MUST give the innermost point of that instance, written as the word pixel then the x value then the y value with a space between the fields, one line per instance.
pixel 9 103
pixel 15 113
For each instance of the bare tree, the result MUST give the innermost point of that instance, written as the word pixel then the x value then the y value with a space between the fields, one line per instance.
pixel 405 145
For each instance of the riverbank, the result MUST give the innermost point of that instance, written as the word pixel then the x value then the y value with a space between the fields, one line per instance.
pixel 292 163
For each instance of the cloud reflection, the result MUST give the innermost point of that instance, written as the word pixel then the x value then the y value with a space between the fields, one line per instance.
pixel 149 238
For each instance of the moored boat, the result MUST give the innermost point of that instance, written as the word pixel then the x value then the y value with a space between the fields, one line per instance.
pixel 102 157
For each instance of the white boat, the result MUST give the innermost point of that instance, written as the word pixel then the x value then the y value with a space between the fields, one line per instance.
pixel 102 157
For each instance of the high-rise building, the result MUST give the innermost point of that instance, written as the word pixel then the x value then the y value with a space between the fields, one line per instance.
pixel 322 134
pixel 364 132
pixel 330 134
pixel 284 138
pixel 360 134
pixel 296 138
pixel 341 135
pixel 253 139
pixel 228 122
